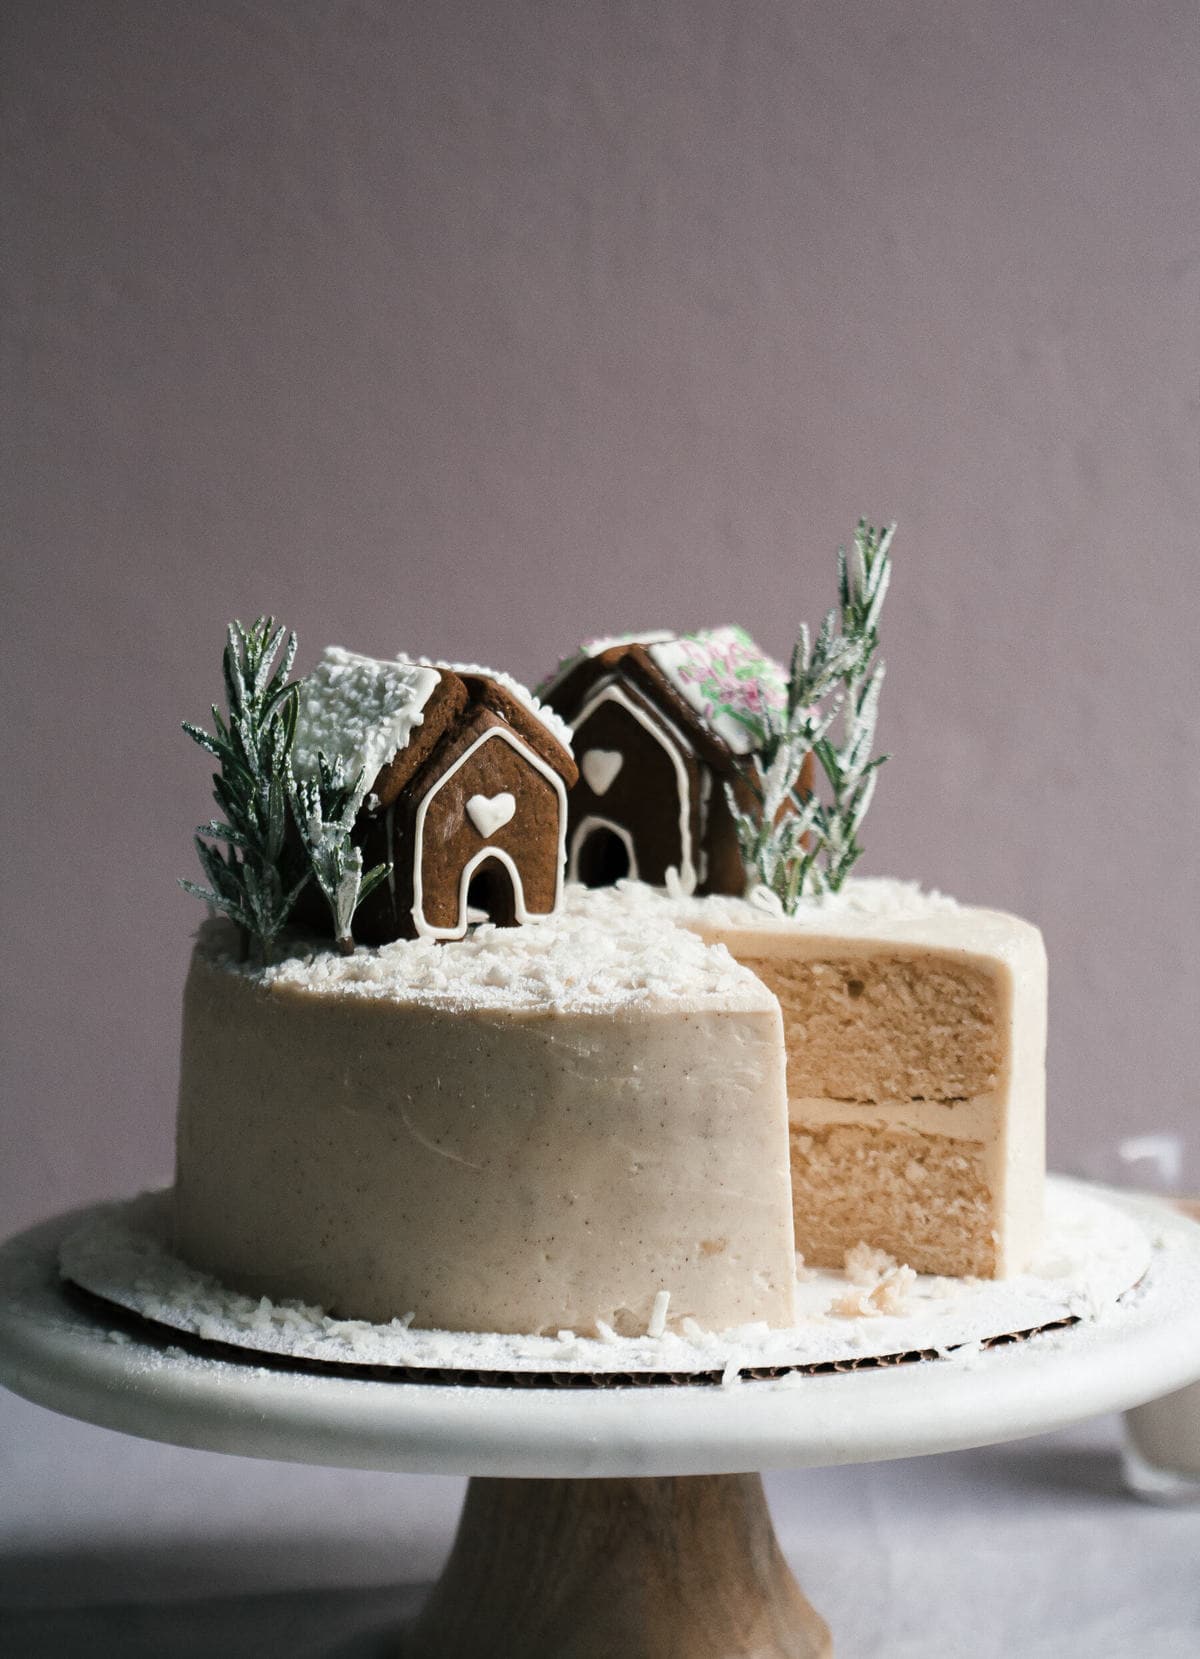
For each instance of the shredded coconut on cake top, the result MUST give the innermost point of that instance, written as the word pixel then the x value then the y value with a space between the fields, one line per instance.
pixel 606 948
pixel 563 963
pixel 864 899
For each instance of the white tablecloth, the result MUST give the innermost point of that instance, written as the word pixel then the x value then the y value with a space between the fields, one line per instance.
pixel 114 1546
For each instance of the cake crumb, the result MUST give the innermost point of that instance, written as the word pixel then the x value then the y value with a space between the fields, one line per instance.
pixel 893 1293
pixel 865 1265
pixel 853 1305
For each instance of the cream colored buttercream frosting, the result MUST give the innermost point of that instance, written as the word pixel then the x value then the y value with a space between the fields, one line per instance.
pixel 552 1127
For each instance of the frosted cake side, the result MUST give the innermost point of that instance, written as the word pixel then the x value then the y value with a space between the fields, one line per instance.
pixel 539 1129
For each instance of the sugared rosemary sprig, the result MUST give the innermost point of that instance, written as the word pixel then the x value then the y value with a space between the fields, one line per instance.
pixel 254 881
pixel 794 843
pixel 325 808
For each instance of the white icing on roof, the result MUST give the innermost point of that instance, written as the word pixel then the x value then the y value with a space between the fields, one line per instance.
pixel 554 723
pixel 359 710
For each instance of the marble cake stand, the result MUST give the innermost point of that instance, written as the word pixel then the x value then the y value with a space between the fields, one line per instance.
pixel 598 1521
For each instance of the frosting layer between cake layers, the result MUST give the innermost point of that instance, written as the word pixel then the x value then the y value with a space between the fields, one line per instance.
pixel 530 1130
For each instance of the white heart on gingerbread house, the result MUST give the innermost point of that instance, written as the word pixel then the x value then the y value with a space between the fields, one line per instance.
pixel 600 767
pixel 489 813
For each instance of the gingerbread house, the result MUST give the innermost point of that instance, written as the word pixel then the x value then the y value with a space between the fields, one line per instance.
pixel 659 722
pixel 463 791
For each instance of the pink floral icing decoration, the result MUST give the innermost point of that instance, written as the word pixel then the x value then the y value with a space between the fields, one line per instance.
pixel 735 678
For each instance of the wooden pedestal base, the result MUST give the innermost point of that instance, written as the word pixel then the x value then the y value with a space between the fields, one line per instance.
pixel 683 1568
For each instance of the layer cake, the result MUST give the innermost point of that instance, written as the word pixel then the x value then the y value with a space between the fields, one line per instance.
pixel 916 1033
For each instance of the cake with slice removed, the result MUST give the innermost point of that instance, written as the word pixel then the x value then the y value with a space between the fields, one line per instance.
pixel 623 1107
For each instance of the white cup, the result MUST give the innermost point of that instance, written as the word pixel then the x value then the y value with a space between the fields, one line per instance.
pixel 1161 1457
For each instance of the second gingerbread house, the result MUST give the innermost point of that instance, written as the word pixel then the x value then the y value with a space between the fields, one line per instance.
pixel 659 722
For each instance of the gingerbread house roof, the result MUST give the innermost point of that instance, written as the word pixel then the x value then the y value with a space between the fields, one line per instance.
pixel 385 720
pixel 515 701
pixel 716 681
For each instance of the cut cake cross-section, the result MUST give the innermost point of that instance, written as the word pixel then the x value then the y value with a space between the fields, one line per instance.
pixel 916 1035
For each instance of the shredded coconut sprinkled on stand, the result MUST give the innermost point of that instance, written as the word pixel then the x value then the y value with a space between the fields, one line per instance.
pixel 121 1254
pixel 865 1266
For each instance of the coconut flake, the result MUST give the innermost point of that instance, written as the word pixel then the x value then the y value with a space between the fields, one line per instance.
pixel 864 900
pixel 562 962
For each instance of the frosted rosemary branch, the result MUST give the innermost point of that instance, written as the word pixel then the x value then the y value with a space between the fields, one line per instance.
pixel 253 881
pixel 325 808
pixel 796 842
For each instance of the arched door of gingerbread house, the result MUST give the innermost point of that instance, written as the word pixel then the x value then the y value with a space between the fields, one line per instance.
pixel 491 896
pixel 601 854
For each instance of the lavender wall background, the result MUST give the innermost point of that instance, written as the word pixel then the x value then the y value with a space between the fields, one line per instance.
pixel 475 329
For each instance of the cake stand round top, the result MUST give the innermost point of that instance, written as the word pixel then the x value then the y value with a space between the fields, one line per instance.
pixel 86 1361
